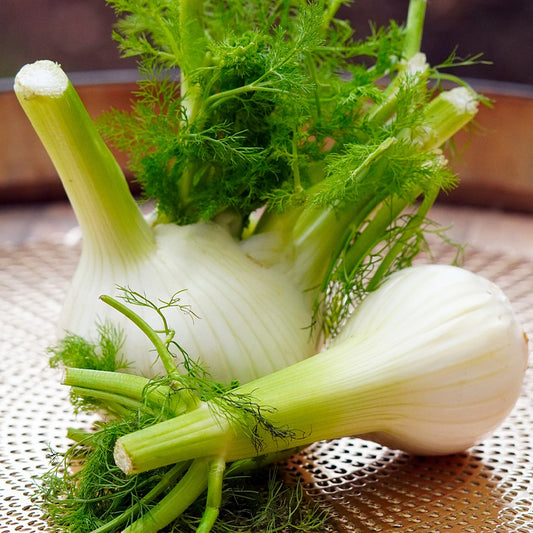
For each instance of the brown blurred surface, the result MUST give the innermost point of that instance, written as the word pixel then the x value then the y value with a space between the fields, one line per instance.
pixel 498 29
pixel 77 33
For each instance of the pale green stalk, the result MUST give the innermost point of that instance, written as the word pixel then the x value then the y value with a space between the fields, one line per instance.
pixel 185 493
pixel 215 480
pixel 380 112
pixel 374 231
pixel 79 435
pixel 127 385
pixel 116 402
pixel 414 28
pixel 193 53
pixel 202 475
pixel 409 231
pixel 308 409
pixel 189 400
pixel 330 13
pixel 315 234
pixel 111 222
pixel 192 56
pixel 445 115
pixel 128 388
pixel 159 344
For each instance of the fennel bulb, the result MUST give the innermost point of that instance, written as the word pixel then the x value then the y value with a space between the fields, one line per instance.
pixel 248 320
pixel 431 363
pixel 255 123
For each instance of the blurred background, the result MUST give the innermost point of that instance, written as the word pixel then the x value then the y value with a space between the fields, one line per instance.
pixel 78 35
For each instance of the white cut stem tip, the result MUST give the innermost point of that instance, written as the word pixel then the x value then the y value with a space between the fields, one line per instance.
pixel 463 99
pixel 122 459
pixel 417 64
pixel 42 78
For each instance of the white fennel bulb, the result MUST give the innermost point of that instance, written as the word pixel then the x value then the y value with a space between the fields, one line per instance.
pixel 251 320
pixel 456 364
pixel 431 362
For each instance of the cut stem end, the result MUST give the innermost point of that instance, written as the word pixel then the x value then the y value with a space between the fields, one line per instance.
pixel 42 78
pixel 122 459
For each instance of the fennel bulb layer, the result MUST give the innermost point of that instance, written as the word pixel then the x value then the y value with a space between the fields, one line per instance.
pixel 431 363
pixel 249 321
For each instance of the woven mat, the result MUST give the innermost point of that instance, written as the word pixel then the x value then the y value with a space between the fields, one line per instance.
pixel 372 489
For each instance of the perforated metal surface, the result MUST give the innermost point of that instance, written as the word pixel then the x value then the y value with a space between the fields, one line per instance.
pixel 372 489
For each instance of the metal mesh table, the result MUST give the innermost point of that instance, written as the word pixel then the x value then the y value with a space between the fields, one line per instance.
pixel 371 488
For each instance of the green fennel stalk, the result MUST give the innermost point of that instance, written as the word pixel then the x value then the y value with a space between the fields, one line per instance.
pixel 98 191
pixel 414 28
